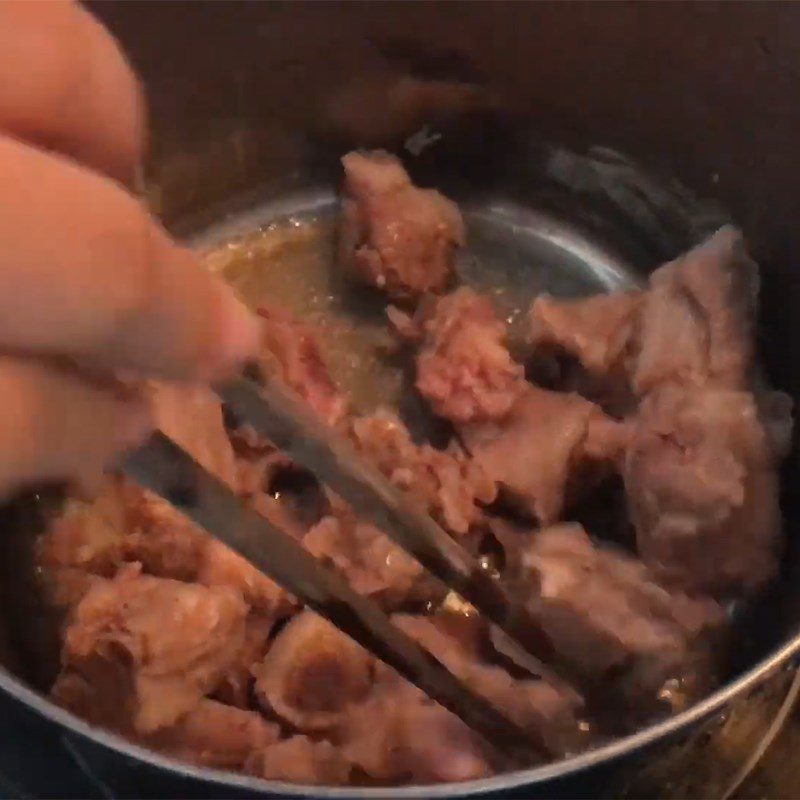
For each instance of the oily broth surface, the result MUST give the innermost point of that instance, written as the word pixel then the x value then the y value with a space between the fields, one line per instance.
pixel 291 264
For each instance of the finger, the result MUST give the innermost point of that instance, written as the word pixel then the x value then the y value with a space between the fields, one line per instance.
pixel 86 272
pixel 55 426
pixel 65 85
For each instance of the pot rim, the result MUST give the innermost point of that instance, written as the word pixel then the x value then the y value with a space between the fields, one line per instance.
pixel 572 765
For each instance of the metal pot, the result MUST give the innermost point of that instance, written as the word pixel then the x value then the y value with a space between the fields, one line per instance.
pixel 535 102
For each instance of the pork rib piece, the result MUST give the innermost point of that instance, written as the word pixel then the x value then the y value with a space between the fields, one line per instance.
pixel 394 235
pixel 702 484
pixel 608 616
pixel 173 641
pixel 535 451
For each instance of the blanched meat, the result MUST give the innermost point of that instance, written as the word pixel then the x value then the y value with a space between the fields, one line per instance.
pixel 596 330
pixel 291 351
pixel 235 686
pixel 399 735
pixel 696 321
pixel 312 674
pixel 123 524
pixel 447 482
pixel 464 369
pixel 300 760
pixel 87 536
pixel 373 564
pixel 175 639
pixel 702 484
pixel 531 703
pixel 534 452
pixel 693 325
pixel 393 235
pixel 606 614
pixel 216 735
pixel 158 537
pixel 654 417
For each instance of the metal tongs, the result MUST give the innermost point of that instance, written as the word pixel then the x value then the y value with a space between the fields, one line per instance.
pixel 163 467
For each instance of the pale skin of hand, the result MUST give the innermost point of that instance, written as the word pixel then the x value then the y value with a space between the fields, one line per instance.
pixel 87 276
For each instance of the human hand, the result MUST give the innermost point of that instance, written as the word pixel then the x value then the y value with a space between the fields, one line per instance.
pixel 87 277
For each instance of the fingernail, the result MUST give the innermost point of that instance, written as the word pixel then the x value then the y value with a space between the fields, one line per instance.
pixel 239 333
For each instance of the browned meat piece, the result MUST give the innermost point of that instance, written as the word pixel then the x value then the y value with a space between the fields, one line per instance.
pixel 596 330
pixel 702 484
pixel 300 760
pixel 608 617
pixel 216 735
pixel 534 452
pixel 372 563
pixel 192 417
pixel 174 640
pixel 291 351
pixel 447 482
pixel 696 320
pixel 464 369
pixel 393 235
pixel 312 674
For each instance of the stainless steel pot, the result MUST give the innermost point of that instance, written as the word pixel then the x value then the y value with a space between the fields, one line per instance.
pixel 530 102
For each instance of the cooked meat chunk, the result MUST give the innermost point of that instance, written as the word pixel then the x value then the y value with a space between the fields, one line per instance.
pixel 176 640
pixel 235 686
pixel 533 704
pixel 123 524
pixel 394 235
pixel 292 353
pixel 606 614
pixel 161 539
pixel 220 566
pixel 372 563
pixel 464 369
pixel 216 735
pixel 399 735
pixel 312 674
pixel 535 450
pixel 87 536
pixel 702 485
pixel 300 760
pixel 695 324
pixel 447 482
pixel 596 330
